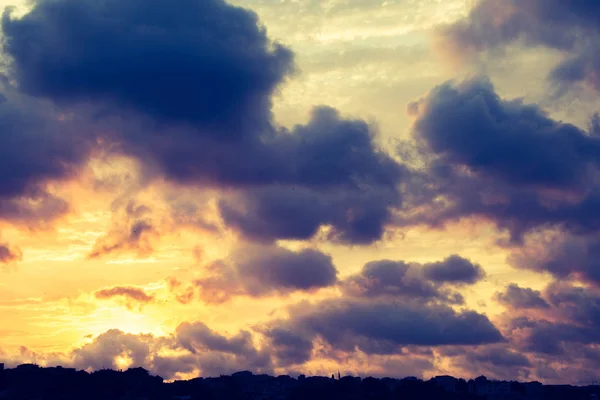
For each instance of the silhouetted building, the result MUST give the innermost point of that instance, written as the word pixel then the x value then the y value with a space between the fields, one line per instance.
pixel 446 382
pixel 31 382
pixel 2 379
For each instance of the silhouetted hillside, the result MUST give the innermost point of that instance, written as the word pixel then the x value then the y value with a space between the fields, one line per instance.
pixel 31 382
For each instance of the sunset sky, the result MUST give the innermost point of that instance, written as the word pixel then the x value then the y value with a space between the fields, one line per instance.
pixel 385 188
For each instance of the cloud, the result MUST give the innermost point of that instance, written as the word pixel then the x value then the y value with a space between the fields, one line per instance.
pixel 402 280
pixel 288 347
pixel 327 173
pixel 454 269
pixel 103 351
pixel 192 348
pixel 519 298
pixel 571 319
pixel 386 326
pixel 386 277
pixel 132 230
pixel 184 294
pixel 469 124
pixel 575 303
pixel 503 160
pixel 371 336
pixel 563 255
pixel 499 355
pixel 198 339
pixel 202 115
pixel 259 271
pixel 497 361
pixel 128 292
pixel 39 145
pixel 9 255
pixel 571 28
pixel 208 63
pixel 550 336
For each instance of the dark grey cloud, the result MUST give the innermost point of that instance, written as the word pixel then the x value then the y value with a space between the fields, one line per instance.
pixel 208 63
pixel 468 124
pixel 519 298
pixel 386 326
pixel 38 145
pixel 454 269
pixel 289 347
pixel 354 215
pixel 35 146
pixel 580 305
pixel 502 160
pixel 490 24
pixel 571 27
pixel 496 361
pixel 398 279
pixel 258 271
pixel 499 355
pixel 551 336
pixel 327 173
pixel 564 256
pixel 199 339
pixel 386 277
pixel 188 92
pixel 510 163
pixel 572 318
pixel 583 67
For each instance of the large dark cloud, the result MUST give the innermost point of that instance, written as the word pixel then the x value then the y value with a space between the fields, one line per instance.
pixel 570 27
pixel 387 307
pixel 503 160
pixel 205 62
pixel 258 271
pixel 469 124
pixel 325 173
pixel 168 85
pixel 386 326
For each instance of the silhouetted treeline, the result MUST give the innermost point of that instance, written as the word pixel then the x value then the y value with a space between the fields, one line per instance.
pixel 31 382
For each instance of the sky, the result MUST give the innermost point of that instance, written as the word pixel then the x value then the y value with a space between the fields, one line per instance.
pixel 384 188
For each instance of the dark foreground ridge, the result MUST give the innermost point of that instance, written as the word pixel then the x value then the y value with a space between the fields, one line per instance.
pixel 31 382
